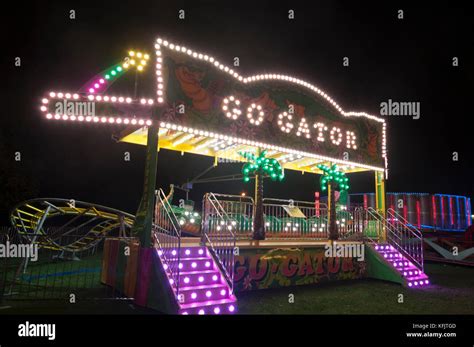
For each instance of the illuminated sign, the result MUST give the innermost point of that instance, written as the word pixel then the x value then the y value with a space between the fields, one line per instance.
pixel 197 94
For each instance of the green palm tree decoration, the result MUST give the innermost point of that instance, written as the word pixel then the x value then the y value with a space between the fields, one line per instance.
pixel 261 167
pixel 332 179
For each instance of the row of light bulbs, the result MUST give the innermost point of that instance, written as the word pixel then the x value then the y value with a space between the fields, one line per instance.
pixel 102 119
pixel 100 98
pixel 295 153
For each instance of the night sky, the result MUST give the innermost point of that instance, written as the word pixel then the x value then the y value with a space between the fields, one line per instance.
pixel 402 60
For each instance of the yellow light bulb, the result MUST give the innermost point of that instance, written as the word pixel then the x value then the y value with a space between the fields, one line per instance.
pixel 139 55
pixel 131 53
pixel 146 56
pixel 132 62
pixel 139 68
pixel 125 66
pixel 143 62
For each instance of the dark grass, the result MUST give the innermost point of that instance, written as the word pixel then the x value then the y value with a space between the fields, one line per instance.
pixel 452 292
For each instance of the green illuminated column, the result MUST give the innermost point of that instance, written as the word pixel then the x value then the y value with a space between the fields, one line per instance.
pixel 380 198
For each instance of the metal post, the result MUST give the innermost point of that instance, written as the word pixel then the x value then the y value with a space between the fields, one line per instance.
pixel 380 199
pixel 144 218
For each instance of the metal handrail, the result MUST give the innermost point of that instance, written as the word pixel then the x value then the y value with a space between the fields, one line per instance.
pixel 220 237
pixel 398 238
pixel 395 214
pixel 168 236
pixel 240 197
pixel 411 239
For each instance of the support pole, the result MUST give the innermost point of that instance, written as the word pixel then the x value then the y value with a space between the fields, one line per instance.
pixel 380 198
pixel 144 217
pixel 258 220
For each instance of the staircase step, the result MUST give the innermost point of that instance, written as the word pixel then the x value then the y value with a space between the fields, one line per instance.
pixel 418 282
pixel 195 278
pixel 204 293
pixel 186 252
pixel 224 306
pixel 194 264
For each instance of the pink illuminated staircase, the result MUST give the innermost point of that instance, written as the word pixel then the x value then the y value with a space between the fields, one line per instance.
pixel 413 276
pixel 201 287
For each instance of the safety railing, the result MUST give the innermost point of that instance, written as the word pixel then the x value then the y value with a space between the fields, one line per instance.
pixel 294 219
pixel 287 219
pixel 167 235
pixel 405 237
pixel 306 220
pixel 374 225
pixel 239 209
pixel 218 230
